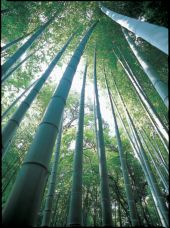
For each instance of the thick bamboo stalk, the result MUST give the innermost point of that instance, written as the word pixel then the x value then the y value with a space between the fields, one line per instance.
pixel 52 182
pixel 154 34
pixel 13 124
pixel 152 74
pixel 24 201
pixel 11 176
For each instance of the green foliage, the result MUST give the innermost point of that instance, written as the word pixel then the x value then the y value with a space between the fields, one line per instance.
pixel 27 16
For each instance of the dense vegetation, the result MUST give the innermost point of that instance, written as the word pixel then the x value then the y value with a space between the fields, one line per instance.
pixel 24 17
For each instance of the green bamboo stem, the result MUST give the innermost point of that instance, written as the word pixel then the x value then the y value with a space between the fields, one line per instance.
pixel 144 99
pixel 25 198
pixel 165 184
pixel 129 193
pixel 75 207
pixel 159 85
pixel 17 99
pixel 105 195
pixel 14 122
pixel 52 182
pixel 154 34
pixel 10 62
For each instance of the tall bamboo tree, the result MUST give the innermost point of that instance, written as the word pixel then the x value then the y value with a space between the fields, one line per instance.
pixel 15 68
pixel 9 63
pixel 52 182
pixel 124 127
pixel 12 125
pixel 152 74
pixel 159 201
pixel 24 201
pixel 155 119
pixel 157 153
pixel 105 195
pixel 17 99
pixel 161 176
pixel 8 45
pixel 154 34
pixel 136 152
pixel 75 208
pixel 95 125
pixel 129 193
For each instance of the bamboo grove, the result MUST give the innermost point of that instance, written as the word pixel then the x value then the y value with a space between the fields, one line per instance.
pixel 61 166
